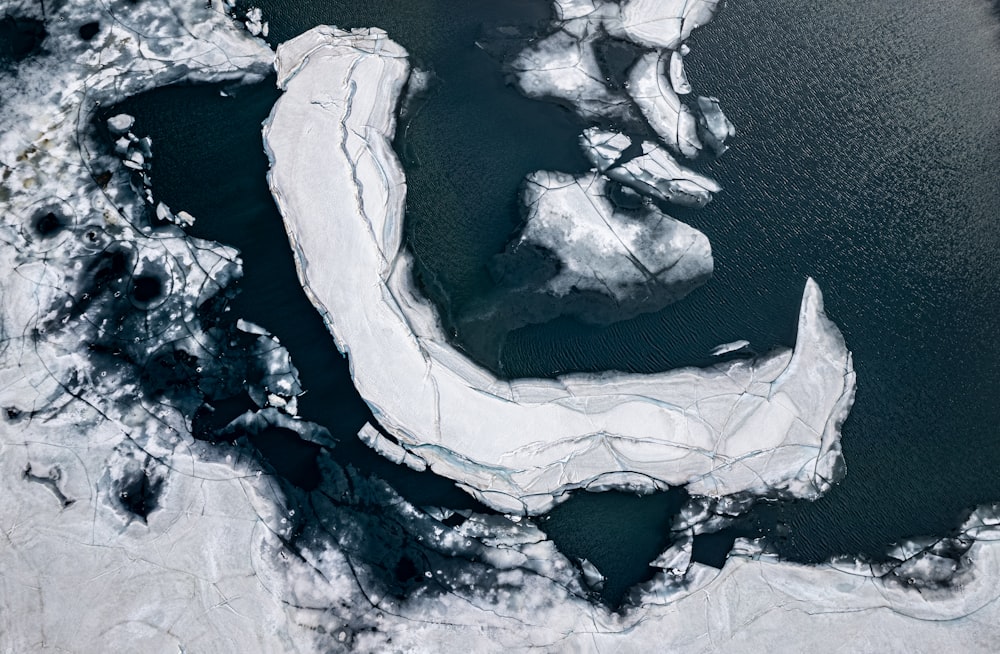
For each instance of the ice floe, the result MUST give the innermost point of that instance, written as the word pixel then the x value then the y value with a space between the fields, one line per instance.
pixel 604 249
pixel 672 120
pixel 663 23
pixel 717 127
pixel 564 66
pixel 656 174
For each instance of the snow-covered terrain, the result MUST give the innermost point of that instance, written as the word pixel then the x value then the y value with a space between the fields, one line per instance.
pixel 121 532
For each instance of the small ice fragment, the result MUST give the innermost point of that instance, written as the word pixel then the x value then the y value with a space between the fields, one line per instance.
pixel 591 575
pixel 726 348
pixel 163 213
pixel 122 146
pixel 717 127
pixel 251 328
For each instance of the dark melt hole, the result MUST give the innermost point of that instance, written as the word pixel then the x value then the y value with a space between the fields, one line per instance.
pixel 108 267
pixel 89 30
pixel 103 179
pixel 406 570
pixel 454 520
pixel 49 224
pixel 615 59
pixel 713 549
pixel 171 371
pixel 20 37
pixel 212 417
pixel 146 288
pixel 291 457
pixel 620 533
pixel 139 493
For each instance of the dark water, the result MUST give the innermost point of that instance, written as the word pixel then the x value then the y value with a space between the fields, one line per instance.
pixel 869 141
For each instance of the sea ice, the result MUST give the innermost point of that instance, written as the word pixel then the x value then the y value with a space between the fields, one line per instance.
pixel 770 425
pixel 672 120
pixel 726 348
pixel 663 23
pixel 656 174
pixel 563 67
pixel 678 78
pixel 120 123
pixel 606 250
pixel 122 533
pixel 717 127
pixel 603 148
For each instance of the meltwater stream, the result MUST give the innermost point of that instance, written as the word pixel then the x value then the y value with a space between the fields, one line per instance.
pixel 866 160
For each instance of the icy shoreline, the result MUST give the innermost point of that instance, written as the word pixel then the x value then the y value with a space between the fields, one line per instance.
pixel 770 426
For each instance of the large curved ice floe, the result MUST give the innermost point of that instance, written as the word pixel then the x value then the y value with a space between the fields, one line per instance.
pixel 770 425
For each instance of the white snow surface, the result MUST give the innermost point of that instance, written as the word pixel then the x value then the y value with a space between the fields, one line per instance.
pixel 766 426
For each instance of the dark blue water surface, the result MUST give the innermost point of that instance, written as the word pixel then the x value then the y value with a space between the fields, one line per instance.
pixel 867 157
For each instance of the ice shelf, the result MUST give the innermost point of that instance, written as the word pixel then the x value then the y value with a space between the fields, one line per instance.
pixel 770 425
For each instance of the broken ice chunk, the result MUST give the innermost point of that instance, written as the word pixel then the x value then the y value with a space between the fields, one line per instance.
pixel 603 148
pixel 676 559
pixel 604 250
pixel 663 23
pixel 717 127
pixel 670 118
pixel 564 67
pixel 389 449
pixel 657 174
pixel 120 123
pixel 254 22
pixel 592 576
pixel 678 78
